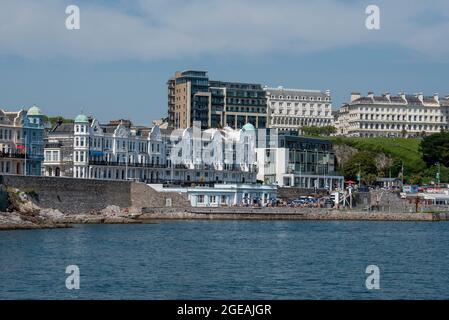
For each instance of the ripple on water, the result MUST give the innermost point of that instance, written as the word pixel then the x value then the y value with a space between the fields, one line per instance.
pixel 228 260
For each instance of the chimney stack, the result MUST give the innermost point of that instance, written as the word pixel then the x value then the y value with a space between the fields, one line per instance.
pixel 387 95
pixel 355 96
pixel 436 98
pixel 371 94
pixel 402 95
pixel 420 96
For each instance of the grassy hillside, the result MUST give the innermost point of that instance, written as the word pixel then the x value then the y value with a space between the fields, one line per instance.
pixel 399 149
pixel 54 120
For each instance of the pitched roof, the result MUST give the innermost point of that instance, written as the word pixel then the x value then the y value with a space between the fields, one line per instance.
pixel 62 128
pixel 410 100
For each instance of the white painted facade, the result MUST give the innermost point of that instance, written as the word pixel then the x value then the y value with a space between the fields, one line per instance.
pixel 299 162
pixel 226 195
pixel 290 109
pixel 393 116
pixel 125 153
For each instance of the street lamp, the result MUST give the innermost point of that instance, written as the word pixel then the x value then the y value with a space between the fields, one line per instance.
pixel 359 176
pixel 402 172
pixel 25 162
pixel 438 176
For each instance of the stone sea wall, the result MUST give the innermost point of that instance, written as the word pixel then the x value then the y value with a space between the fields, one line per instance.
pixel 71 195
pixel 74 196
pixel 286 214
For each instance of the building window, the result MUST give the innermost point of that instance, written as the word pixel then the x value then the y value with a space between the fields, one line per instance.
pixel 200 198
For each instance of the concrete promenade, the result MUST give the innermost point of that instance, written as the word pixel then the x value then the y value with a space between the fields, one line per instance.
pixel 284 214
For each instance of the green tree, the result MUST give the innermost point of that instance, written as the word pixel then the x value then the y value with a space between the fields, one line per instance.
pixel 404 133
pixel 363 161
pixel 416 179
pixel 56 119
pixel 369 179
pixel 318 131
pixel 435 148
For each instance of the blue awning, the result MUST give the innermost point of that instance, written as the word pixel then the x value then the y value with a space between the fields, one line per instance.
pixel 94 153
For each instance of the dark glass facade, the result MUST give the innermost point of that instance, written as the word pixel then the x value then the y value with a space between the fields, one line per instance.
pixel 215 103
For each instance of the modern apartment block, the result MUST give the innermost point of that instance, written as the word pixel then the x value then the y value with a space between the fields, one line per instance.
pixel 393 116
pixel 294 161
pixel 21 141
pixel 242 103
pixel 290 109
pixel 193 97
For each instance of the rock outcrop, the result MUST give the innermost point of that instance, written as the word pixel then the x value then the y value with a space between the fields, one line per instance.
pixel 25 213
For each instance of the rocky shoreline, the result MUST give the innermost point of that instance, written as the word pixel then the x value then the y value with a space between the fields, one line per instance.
pixel 19 221
pixel 25 221
pixel 311 214
pixel 49 219
pixel 24 213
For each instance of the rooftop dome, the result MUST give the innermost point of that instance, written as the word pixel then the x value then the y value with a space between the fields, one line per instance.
pixel 248 127
pixel 82 118
pixel 34 111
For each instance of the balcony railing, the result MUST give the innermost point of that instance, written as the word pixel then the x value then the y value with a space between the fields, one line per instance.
pixel 234 168
pixel 124 164
pixel 13 155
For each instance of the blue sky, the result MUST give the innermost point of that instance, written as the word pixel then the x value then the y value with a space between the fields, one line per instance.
pixel 117 64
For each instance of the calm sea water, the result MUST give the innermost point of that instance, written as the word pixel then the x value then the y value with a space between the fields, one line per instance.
pixel 228 260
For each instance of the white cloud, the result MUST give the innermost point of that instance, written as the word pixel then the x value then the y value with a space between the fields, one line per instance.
pixel 149 30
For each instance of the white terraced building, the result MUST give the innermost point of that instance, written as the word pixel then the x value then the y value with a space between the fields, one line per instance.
pixel 290 109
pixel 393 116
pixel 87 149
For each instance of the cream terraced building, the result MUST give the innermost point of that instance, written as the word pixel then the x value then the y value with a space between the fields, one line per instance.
pixel 290 109
pixel 393 116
